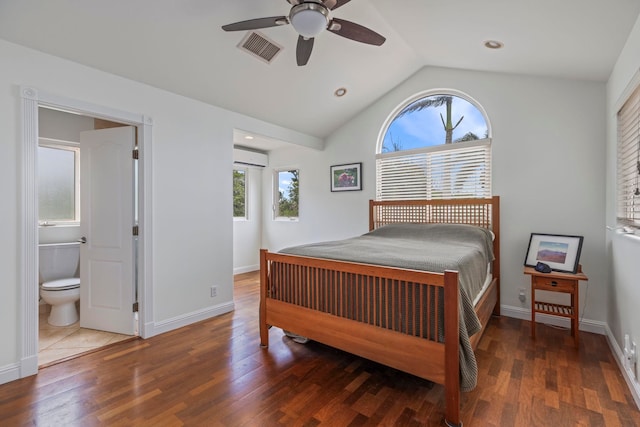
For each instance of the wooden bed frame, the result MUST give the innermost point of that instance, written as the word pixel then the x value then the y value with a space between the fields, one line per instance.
pixel 420 353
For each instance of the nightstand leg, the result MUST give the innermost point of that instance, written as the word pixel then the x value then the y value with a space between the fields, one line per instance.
pixel 575 301
pixel 573 317
pixel 533 310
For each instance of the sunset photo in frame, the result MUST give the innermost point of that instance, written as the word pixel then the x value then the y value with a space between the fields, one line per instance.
pixel 346 177
pixel 560 252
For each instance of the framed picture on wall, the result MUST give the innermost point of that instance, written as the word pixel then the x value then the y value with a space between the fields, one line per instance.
pixel 560 252
pixel 346 177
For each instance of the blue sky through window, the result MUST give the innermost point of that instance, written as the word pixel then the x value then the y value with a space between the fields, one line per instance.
pixel 424 128
pixel 284 182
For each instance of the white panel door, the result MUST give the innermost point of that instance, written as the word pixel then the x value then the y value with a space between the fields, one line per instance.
pixel 106 259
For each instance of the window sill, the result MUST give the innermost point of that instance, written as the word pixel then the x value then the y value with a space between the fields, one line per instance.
pixel 58 225
pixel 632 235
pixel 286 219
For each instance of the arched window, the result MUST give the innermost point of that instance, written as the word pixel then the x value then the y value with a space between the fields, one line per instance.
pixel 437 145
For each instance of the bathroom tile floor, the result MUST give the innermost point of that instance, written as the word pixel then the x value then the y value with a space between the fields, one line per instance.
pixel 61 342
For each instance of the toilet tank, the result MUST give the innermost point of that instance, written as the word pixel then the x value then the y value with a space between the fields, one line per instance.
pixel 59 261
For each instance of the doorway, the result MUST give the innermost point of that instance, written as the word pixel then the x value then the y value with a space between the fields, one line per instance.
pixel 32 99
pixel 85 191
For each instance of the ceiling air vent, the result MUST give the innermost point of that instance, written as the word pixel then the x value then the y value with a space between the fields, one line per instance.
pixel 259 46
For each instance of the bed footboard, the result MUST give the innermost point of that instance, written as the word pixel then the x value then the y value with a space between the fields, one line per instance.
pixel 400 318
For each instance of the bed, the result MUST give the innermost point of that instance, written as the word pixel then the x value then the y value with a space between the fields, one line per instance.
pixel 407 316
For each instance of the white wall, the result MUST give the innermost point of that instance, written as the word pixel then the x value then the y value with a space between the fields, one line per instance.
pixel 623 250
pixel 191 166
pixel 548 168
pixel 64 126
pixel 247 232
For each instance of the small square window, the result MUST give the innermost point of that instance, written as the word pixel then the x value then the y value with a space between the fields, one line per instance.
pixel 58 183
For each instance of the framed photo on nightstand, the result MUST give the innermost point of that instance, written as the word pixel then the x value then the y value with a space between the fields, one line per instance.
pixel 560 252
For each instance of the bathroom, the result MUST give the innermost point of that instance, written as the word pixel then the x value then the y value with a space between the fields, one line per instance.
pixel 61 335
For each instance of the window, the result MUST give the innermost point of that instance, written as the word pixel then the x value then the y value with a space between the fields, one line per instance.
pixel 286 196
pixel 58 182
pixel 240 193
pixel 436 146
pixel 628 182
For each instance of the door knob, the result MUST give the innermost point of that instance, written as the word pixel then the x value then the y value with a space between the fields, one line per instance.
pixel 82 239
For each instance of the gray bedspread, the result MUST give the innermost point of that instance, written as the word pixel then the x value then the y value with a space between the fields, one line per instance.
pixel 430 247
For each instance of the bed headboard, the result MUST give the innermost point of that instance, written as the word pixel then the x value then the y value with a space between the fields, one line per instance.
pixel 480 212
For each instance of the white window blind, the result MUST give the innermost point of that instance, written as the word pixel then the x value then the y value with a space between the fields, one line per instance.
pixel 629 161
pixel 458 170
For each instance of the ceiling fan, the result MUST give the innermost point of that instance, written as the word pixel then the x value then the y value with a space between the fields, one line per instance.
pixel 310 18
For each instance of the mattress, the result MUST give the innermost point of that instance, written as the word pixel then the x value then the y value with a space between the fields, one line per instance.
pixel 485 286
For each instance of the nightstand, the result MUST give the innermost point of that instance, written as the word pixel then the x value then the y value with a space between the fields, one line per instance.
pixel 556 282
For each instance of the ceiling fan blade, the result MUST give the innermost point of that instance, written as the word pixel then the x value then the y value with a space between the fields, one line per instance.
pixel 303 50
pixel 254 24
pixel 356 32
pixel 339 3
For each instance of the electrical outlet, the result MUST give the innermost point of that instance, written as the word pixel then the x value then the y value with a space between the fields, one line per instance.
pixel 630 354
pixel 522 297
pixel 214 291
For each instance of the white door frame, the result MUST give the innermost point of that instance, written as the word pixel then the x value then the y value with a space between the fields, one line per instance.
pixel 31 99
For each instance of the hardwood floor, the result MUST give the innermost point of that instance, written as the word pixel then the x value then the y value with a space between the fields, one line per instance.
pixel 215 374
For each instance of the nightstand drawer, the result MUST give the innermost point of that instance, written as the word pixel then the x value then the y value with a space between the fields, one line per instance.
pixel 552 284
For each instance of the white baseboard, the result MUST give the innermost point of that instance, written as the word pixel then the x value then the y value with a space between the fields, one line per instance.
pixel 29 366
pixel 587 325
pixel 246 269
pixel 627 372
pixel 155 328
pixel 9 373
pixel 25 368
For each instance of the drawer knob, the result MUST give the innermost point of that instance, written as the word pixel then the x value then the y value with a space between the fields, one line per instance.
pixel 554 283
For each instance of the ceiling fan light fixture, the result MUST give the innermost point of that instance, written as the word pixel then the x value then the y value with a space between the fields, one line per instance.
pixel 309 19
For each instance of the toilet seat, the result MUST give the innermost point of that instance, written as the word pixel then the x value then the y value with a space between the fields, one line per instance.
pixel 62 284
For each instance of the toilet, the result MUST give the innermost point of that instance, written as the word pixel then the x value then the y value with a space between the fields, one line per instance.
pixel 59 281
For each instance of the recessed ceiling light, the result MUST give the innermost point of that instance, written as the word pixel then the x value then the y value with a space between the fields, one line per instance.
pixel 493 44
pixel 248 137
pixel 340 92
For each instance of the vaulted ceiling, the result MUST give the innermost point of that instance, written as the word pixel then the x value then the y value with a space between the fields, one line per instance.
pixel 179 46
